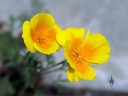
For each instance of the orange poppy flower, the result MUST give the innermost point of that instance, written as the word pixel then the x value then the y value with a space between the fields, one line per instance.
pixel 82 51
pixel 39 33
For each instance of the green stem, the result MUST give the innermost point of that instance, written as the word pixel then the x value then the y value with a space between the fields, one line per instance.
pixel 26 55
pixel 62 62
pixel 50 71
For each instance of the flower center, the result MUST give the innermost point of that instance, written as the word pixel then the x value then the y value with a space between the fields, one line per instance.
pixel 44 37
pixel 76 54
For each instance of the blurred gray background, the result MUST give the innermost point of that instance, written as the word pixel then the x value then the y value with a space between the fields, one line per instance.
pixel 108 17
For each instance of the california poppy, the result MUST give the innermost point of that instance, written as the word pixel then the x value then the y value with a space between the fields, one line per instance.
pixel 80 51
pixel 40 32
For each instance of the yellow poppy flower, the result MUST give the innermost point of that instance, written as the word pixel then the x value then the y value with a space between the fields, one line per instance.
pixel 81 51
pixel 40 32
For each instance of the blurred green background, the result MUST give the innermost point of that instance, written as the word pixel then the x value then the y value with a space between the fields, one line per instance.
pixel 22 75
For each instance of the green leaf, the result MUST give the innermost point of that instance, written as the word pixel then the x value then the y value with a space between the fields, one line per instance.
pixel 30 73
pixel 9 47
pixel 5 87
pixel 39 93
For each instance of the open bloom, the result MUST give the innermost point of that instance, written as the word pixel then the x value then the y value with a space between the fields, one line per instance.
pixel 39 33
pixel 80 51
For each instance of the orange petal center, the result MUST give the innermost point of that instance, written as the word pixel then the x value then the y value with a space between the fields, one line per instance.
pixel 43 36
pixel 77 56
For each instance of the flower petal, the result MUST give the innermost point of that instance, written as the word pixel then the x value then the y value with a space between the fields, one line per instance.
pixel 61 38
pixel 68 34
pixel 27 36
pixel 75 75
pixel 96 49
pixel 70 49
pixel 50 44
pixel 42 21
pixel 72 75
pixel 89 74
pixel 87 35
pixel 85 71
